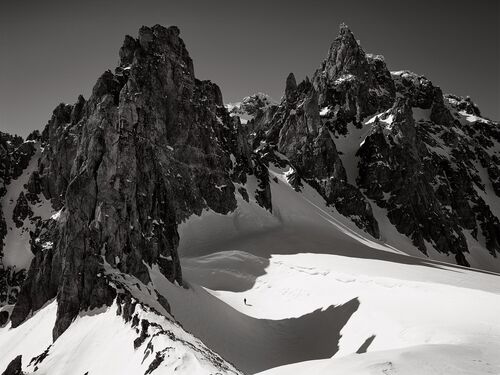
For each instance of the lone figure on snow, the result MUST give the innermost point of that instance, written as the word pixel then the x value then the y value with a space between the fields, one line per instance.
pixel 245 300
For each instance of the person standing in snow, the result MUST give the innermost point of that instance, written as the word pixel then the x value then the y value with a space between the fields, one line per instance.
pixel 245 300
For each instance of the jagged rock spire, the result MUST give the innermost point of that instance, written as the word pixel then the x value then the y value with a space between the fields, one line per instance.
pixel 291 86
pixel 120 155
pixel 361 84
pixel 345 56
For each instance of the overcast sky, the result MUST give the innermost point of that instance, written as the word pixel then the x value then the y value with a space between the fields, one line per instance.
pixel 51 51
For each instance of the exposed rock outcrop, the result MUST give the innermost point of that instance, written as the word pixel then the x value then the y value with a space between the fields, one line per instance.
pixel 14 367
pixel 296 127
pixel 427 159
pixel 360 85
pixel 150 147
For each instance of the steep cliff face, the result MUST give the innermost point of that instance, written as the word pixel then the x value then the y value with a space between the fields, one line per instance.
pixel 150 147
pixel 363 136
pixel 348 86
pixel 425 162
pixel 297 131
pixel 59 140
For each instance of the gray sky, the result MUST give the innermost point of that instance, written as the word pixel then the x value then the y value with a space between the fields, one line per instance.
pixel 51 51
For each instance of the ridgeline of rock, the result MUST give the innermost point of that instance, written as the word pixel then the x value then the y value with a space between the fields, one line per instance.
pixel 425 158
pixel 359 83
pixel 150 147
pixel 297 131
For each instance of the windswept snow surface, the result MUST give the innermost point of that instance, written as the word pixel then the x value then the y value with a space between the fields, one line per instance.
pixel 417 360
pixel 29 339
pixel 325 295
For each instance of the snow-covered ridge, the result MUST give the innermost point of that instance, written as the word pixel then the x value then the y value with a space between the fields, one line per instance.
pixel 121 339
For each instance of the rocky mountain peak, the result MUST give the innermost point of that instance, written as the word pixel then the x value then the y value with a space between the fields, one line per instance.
pixel 345 56
pixel 391 140
pixel 291 86
pixel 151 146
pixel 349 77
pixel 159 40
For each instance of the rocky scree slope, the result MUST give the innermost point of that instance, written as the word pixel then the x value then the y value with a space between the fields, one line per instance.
pixel 427 161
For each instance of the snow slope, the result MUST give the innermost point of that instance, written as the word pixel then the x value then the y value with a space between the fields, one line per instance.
pixel 321 296
pixel 317 287
pixel 422 359
pixel 102 342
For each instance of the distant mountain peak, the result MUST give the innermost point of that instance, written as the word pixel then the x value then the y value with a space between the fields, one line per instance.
pixel 250 106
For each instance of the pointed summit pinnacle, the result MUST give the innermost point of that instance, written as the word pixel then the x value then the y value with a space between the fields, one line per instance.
pixel 344 29
pixel 291 86
pixel 345 56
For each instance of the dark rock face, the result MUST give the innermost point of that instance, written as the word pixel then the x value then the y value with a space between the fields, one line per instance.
pixel 21 211
pixel 383 92
pixel 59 140
pixel 299 132
pixel 420 160
pixel 14 367
pixel 4 318
pixel 463 104
pixel 10 284
pixel 361 85
pixel 397 163
pixel 42 280
pixel 421 93
pixel 433 192
pixel 291 87
pixel 150 147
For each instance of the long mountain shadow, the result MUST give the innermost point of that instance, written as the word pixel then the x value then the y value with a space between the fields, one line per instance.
pixel 255 344
pixel 245 257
